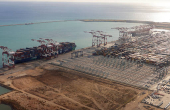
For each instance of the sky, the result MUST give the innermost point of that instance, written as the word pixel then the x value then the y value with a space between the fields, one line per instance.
pixel 157 2
pixel 130 1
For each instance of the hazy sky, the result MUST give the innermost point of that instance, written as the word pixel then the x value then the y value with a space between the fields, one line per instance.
pixel 132 1
pixel 157 2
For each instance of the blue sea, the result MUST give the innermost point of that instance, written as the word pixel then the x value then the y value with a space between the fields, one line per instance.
pixel 68 28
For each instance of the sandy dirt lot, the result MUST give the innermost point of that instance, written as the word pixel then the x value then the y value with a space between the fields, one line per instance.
pixel 52 88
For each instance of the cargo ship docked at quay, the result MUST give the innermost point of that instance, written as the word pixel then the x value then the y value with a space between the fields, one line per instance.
pixel 48 48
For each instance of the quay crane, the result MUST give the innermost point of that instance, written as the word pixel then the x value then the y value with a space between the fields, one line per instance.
pixel 95 39
pixel 8 57
pixel 99 37
pixel 104 37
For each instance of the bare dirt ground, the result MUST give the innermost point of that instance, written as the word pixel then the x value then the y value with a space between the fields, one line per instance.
pixel 53 88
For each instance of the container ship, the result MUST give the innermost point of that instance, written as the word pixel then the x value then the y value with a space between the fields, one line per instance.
pixel 47 49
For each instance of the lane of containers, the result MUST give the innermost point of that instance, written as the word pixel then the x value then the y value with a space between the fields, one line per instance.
pixel 91 68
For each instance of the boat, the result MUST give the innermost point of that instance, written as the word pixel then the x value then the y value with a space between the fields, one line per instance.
pixel 28 54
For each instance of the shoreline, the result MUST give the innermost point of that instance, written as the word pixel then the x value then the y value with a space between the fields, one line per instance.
pixel 33 23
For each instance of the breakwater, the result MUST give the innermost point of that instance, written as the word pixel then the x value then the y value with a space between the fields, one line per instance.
pixel 31 23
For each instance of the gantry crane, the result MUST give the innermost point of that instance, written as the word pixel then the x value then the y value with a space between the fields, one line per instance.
pixel 8 57
pixel 99 37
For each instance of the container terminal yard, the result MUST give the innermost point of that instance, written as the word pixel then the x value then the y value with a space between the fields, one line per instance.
pixel 103 76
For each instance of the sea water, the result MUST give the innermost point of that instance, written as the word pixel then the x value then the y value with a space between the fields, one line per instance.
pixel 5 107
pixel 4 90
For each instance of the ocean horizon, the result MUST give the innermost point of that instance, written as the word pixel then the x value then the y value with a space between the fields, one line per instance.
pixel 26 12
